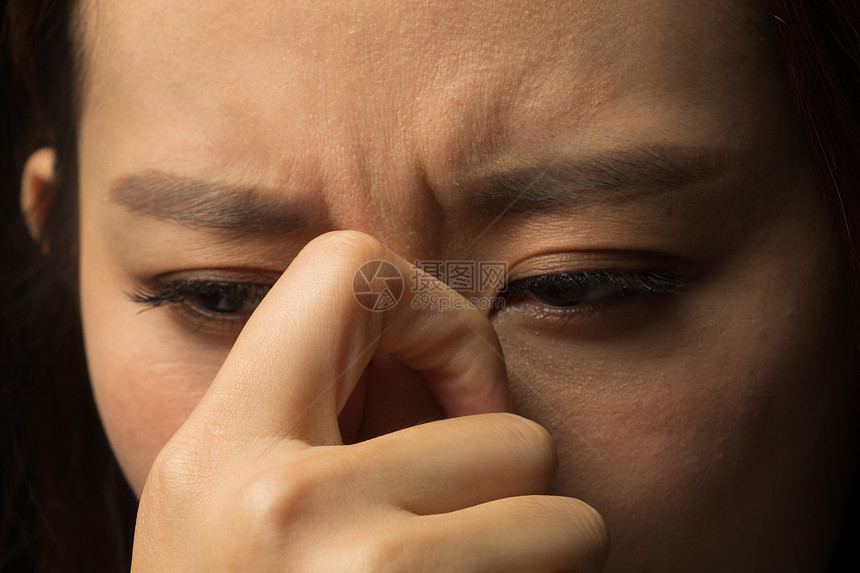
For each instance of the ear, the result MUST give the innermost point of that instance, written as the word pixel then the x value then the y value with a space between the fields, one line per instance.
pixel 36 190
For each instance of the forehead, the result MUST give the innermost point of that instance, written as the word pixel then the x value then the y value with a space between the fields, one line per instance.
pixel 450 80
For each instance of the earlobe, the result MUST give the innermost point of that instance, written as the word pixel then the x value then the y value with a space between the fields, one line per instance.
pixel 36 191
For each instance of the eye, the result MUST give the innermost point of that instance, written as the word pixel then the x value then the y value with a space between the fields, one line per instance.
pixel 568 290
pixel 226 298
pixel 217 304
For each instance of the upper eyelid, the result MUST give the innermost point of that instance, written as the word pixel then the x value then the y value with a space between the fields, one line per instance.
pixel 157 294
pixel 195 318
pixel 621 280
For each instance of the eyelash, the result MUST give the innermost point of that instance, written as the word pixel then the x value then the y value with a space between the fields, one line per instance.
pixel 567 294
pixel 200 300
pixel 560 295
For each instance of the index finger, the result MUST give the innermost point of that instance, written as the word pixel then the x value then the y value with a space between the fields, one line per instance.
pixel 299 357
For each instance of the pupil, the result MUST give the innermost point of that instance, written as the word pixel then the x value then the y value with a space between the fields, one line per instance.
pixel 222 298
pixel 560 296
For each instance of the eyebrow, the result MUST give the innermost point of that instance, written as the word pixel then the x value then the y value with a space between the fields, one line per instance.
pixel 612 176
pixel 202 204
pixel 609 177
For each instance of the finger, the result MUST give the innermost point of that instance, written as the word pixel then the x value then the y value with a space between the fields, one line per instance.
pixel 531 533
pixel 464 461
pixel 396 397
pixel 298 358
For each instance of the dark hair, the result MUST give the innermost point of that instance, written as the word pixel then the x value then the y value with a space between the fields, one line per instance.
pixel 820 45
pixel 66 506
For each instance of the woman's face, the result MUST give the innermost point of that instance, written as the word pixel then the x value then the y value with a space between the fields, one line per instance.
pixel 620 138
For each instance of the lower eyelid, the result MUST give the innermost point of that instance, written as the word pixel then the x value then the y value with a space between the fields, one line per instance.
pixel 199 321
pixel 536 312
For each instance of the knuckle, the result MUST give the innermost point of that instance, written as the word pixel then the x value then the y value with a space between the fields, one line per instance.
pixel 177 471
pixel 289 494
pixel 276 499
pixel 387 552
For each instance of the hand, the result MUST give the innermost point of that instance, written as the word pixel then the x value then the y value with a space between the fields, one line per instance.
pixel 258 478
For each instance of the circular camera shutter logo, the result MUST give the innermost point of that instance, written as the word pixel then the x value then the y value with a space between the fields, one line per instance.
pixel 377 285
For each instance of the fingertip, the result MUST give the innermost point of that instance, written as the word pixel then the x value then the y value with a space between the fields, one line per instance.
pixel 593 533
pixel 348 244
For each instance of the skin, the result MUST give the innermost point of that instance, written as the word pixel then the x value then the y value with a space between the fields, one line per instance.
pixel 709 428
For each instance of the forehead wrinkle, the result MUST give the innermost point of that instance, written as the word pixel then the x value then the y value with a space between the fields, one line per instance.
pixel 476 122
pixel 487 126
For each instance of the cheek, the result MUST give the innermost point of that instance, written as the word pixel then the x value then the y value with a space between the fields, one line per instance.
pixel 666 419
pixel 721 412
pixel 143 402
pixel 147 376
pixel 703 458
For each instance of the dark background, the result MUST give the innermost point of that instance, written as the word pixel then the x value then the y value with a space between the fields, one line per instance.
pixel 10 217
